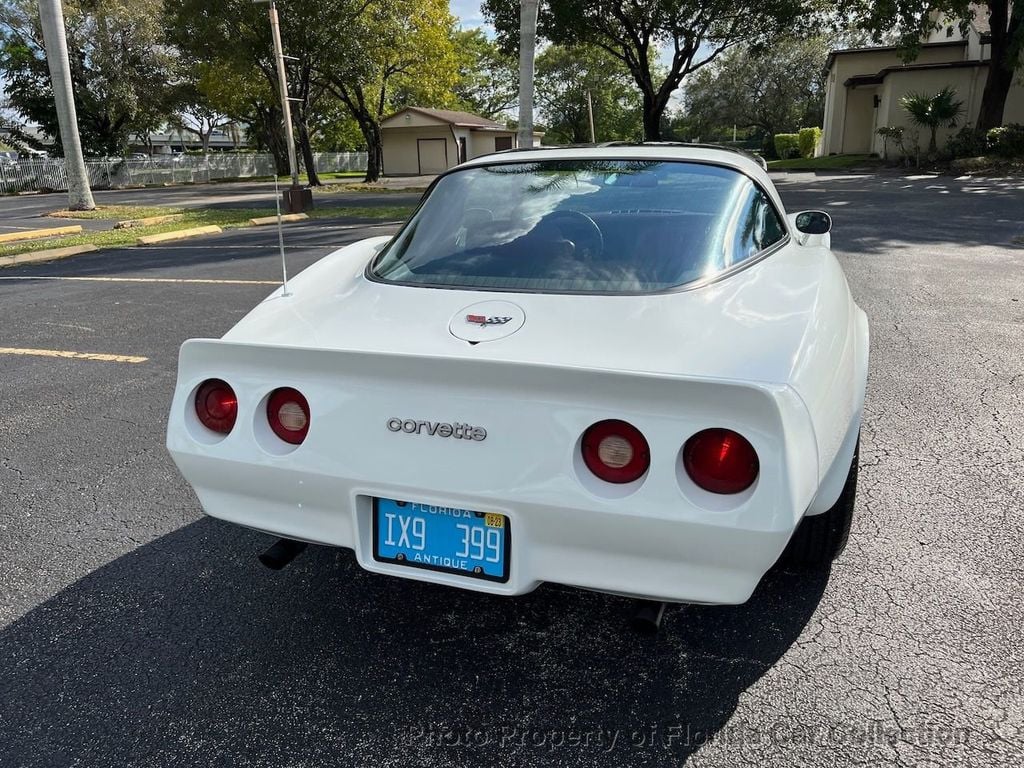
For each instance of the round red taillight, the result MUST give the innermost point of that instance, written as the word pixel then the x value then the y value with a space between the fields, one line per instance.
pixel 615 451
pixel 216 405
pixel 288 414
pixel 720 461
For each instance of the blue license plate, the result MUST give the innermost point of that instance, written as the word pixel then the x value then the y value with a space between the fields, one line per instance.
pixel 448 539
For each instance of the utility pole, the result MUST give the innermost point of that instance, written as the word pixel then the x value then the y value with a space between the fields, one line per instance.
pixel 296 198
pixel 51 16
pixel 590 117
pixel 527 49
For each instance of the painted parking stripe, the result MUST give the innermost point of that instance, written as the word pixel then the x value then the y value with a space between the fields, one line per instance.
pixel 200 281
pixel 104 358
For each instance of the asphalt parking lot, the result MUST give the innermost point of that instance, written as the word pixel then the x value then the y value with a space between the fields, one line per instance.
pixel 136 632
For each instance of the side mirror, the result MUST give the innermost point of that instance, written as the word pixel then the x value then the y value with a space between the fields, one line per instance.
pixel 813 222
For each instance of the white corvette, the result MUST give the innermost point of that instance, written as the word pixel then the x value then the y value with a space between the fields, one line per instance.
pixel 620 368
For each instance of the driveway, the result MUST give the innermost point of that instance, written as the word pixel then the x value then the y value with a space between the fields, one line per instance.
pixel 134 631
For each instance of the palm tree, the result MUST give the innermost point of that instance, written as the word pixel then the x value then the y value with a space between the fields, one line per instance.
pixel 933 112
pixel 527 49
pixel 51 16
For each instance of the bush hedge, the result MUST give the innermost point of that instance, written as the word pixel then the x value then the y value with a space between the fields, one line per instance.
pixel 1007 140
pixel 808 139
pixel 968 142
pixel 787 145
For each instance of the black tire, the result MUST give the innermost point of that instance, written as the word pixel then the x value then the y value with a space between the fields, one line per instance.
pixel 819 539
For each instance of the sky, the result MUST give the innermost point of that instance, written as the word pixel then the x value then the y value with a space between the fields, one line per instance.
pixel 468 12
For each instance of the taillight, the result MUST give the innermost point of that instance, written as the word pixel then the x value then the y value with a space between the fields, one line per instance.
pixel 615 451
pixel 216 405
pixel 288 414
pixel 720 461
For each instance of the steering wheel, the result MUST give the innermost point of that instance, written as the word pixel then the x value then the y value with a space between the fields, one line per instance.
pixel 578 228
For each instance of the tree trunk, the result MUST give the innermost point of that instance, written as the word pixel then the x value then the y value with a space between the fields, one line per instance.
pixel 527 50
pixel 52 19
pixel 271 133
pixel 374 149
pixel 654 110
pixel 307 154
pixel 1001 67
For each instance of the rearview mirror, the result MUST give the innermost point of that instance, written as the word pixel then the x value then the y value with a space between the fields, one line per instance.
pixel 814 222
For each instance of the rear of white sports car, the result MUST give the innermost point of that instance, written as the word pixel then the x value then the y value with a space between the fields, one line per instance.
pixel 517 390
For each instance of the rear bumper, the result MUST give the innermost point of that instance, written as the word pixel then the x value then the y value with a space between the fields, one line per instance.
pixel 676 560
pixel 660 537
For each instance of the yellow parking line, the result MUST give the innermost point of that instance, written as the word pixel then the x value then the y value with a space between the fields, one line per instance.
pixel 149 280
pixel 73 355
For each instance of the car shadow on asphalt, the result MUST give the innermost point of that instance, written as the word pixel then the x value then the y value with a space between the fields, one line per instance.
pixel 187 651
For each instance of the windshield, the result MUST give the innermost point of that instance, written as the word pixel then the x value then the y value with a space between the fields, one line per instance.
pixel 593 226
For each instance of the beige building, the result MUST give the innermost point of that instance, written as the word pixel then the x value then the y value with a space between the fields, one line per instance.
pixel 864 87
pixel 418 141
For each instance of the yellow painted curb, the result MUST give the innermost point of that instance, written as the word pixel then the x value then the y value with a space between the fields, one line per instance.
pixel 148 221
pixel 35 234
pixel 179 234
pixel 264 220
pixel 51 254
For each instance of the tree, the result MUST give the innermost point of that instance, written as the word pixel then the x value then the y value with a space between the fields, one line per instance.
pixel 776 89
pixel 230 40
pixel 121 70
pixel 392 46
pixel 933 112
pixel 486 82
pixel 565 75
pixel 691 34
pixel 199 113
pixel 360 52
pixel 916 19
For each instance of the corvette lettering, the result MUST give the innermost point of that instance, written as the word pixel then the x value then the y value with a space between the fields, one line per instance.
pixel 455 430
pixel 484 320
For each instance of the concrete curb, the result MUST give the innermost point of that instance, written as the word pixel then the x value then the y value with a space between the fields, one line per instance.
pixel 50 254
pixel 263 221
pixel 179 234
pixel 148 221
pixel 36 234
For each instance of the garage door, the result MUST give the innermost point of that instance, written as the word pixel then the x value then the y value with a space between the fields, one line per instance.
pixel 433 155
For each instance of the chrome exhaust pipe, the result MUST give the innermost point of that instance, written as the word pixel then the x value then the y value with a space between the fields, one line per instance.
pixel 648 616
pixel 282 552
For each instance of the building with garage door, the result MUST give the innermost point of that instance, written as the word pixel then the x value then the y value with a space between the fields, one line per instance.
pixel 419 141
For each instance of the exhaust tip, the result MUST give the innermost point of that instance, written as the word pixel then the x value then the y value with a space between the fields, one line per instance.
pixel 281 552
pixel 648 616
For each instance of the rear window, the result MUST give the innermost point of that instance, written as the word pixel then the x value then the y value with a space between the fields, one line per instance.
pixel 582 226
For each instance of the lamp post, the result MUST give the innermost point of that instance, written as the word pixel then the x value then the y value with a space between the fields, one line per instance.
pixel 296 198
pixel 51 17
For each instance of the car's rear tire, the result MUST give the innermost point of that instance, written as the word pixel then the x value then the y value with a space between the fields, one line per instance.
pixel 819 539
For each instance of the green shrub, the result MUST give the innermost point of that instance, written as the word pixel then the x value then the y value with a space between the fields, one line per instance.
pixel 808 139
pixel 1007 140
pixel 787 145
pixel 968 142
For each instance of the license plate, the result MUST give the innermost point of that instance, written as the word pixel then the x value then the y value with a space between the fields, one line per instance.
pixel 462 541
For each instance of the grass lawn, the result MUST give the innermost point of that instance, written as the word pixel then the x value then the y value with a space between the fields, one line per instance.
pixel 831 162
pixel 226 218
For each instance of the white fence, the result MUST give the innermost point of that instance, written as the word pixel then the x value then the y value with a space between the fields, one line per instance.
pixel 50 175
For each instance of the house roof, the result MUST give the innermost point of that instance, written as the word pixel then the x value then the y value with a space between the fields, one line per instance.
pixel 877 78
pixel 460 119
pixel 880 48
